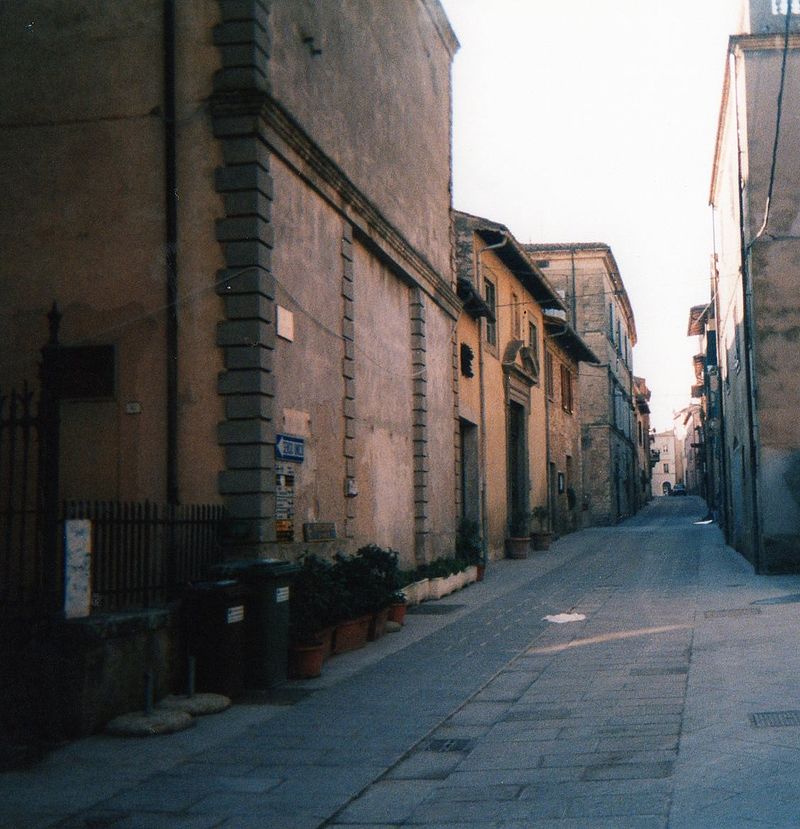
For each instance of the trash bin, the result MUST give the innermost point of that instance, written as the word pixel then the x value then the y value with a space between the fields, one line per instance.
pixel 214 615
pixel 267 618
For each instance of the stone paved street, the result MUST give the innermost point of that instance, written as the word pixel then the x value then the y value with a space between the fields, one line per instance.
pixel 481 714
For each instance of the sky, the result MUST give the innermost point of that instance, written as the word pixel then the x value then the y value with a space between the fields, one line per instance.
pixel 595 121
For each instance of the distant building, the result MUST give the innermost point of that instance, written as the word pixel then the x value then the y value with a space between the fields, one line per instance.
pixel 642 430
pixel 691 446
pixel 755 194
pixel 587 277
pixel 707 420
pixel 518 398
pixel 668 470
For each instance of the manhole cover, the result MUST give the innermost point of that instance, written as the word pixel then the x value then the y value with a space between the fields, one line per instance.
pixel 794 598
pixel 453 744
pixel 435 609
pixel 733 613
pixel 775 719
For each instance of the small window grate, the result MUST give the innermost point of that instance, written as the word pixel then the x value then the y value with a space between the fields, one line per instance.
pixel 775 719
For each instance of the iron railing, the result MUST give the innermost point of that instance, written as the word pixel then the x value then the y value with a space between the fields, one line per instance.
pixel 143 553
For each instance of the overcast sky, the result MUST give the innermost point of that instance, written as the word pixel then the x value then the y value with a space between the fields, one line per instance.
pixel 595 121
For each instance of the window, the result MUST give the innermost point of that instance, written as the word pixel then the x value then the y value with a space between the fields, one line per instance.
pixel 611 321
pixel 516 321
pixel 85 372
pixel 666 467
pixel 533 343
pixel 548 374
pixel 490 295
pixel 566 388
pixel 467 356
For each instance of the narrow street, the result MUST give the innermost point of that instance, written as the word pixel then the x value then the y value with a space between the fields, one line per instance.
pixel 674 703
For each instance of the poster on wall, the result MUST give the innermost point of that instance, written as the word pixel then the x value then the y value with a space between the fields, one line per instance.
pixel 284 501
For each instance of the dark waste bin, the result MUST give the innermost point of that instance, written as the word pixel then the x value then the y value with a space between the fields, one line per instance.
pixel 267 619
pixel 214 615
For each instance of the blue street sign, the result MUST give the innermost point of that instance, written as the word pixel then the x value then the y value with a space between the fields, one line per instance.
pixel 289 448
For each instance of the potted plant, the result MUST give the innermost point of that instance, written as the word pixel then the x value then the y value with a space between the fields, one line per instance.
pixel 397 608
pixel 310 612
pixel 469 546
pixel 381 582
pixel 519 537
pixel 541 538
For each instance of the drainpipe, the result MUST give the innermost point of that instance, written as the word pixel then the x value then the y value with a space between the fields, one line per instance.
pixel 171 251
pixel 482 389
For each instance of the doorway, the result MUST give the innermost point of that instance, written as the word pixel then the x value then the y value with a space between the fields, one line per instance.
pixel 470 472
pixel 518 501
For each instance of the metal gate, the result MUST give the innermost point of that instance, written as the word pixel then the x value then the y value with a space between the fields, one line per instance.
pixel 30 553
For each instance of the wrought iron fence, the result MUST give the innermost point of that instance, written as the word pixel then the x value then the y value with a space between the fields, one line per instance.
pixel 27 566
pixel 143 553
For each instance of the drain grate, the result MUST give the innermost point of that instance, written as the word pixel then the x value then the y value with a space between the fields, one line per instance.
pixel 775 719
pixel 453 744
pixel 733 613
pixel 434 609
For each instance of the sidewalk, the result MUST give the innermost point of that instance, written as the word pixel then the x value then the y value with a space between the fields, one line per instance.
pixel 488 716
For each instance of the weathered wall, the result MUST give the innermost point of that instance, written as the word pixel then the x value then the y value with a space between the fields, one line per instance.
pixel 384 434
pixel 308 235
pixel 441 431
pixel 82 153
pixel 564 435
pixel 766 528
pixel 610 461
pixel 397 57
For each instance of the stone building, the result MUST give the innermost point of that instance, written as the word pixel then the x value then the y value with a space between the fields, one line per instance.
pixel 708 423
pixel 242 210
pixel 755 195
pixel 668 470
pixel 642 415
pixel 692 448
pixel 518 397
pixel 587 277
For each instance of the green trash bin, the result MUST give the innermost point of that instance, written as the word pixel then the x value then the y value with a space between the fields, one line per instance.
pixel 267 618
pixel 214 618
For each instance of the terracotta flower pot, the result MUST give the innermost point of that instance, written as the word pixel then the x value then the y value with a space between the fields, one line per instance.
pixel 326 637
pixel 351 634
pixel 305 661
pixel 397 612
pixel 377 624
